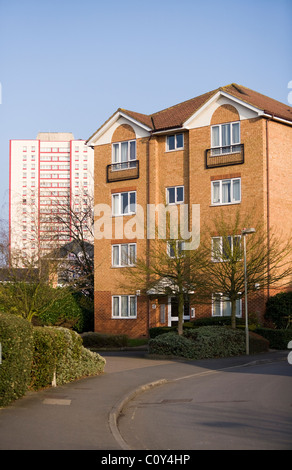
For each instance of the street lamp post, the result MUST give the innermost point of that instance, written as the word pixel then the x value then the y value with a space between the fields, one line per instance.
pixel 244 232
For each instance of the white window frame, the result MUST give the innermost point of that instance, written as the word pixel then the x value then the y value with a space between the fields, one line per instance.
pixel 219 257
pixel 119 301
pixel 175 188
pixel 117 158
pixel 219 148
pixel 221 182
pixel 118 247
pixel 223 299
pixel 118 197
pixel 176 147
pixel 179 248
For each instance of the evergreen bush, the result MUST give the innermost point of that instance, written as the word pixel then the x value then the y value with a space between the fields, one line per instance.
pixel 64 312
pixel 16 338
pixel 279 308
pixel 102 340
pixel 278 339
pixel 171 344
pixel 206 342
pixel 59 353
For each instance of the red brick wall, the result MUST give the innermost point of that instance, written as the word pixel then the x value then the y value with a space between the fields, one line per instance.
pixel 104 323
pixel 187 167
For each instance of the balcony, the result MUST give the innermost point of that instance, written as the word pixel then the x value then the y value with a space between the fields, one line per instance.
pixel 224 156
pixel 122 171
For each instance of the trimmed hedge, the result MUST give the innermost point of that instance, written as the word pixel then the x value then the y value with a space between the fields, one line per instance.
pixel 278 308
pixel 171 344
pixel 210 321
pixel 16 338
pixel 102 340
pixel 278 339
pixel 206 342
pixel 60 351
pixel 204 321
pixel 33 356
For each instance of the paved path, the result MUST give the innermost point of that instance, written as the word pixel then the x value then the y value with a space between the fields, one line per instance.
pixel 82 415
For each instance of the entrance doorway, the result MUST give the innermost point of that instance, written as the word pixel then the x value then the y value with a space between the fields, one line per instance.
pixel 173 311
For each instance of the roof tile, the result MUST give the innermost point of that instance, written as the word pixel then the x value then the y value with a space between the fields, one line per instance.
pixel 175 116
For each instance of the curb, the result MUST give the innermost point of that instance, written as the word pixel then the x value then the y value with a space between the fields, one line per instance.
pixel 117 409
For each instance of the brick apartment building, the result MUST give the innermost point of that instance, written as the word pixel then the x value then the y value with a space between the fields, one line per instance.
pixel 229 148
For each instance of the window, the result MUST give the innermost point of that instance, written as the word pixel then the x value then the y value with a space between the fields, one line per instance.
pixel 226 191
pixel 124 203
pixel 221 306
pixel 175 248
pixel 124 254
pixel 175 195
pixel 124 306
pixel 174 142
pixel 225 138
pixel 223 248
pixel 124 152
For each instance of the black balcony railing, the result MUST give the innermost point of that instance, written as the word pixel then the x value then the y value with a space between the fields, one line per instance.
pixel 122 171
pixel 224 156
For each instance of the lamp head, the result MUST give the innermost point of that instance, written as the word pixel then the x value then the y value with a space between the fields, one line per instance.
pixel 246 231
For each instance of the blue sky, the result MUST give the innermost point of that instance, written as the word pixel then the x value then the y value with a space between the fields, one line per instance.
pixel 66 66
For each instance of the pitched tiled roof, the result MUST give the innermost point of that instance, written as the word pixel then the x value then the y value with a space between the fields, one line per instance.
pixel 176 115
pixel 266 104
pixel 143 118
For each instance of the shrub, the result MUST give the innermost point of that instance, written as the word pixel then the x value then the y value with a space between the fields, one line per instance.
pixel 160 330
pixel 217 341
pixel 171 344
pixel 216 321
pixel 278 339
pixel 206 342
pixel 59 350
pixel 16 337
pixel 44 361
pixel 257 343
pixel 76 361
pixel 278 307
pixel 64 312
pixel 102 340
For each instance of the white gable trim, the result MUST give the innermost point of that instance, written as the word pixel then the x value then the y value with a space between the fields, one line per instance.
pixel 243 103
pixel 203 115
pixel 104 134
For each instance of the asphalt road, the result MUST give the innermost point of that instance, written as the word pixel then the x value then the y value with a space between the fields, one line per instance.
pixel 241 408
pixel 83 415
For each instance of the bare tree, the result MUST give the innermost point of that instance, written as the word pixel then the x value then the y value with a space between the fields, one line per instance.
pixel 75 216
pixel 167 269
pixel 268 261
pixel 216 268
